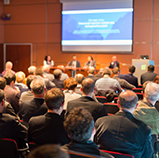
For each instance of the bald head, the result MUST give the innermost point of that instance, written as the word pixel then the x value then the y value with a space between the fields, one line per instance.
pixel 88 86
pixel 128 99
pixel 91 70
pixel 9 65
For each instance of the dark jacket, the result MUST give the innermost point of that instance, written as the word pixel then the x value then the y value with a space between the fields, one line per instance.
pixel 147 76
pixel 78 65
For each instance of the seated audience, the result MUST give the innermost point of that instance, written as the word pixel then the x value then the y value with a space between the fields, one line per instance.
pixel 123 83
pixel 39 73
pixel 74 63
pixel 20 80
pixel 10 127
pixel 146 110
pixel 9 66
pixel 46 74
pixel 48 61
pixel 91 72
pixel 36 106
pixel 100 74
pixel 129 77
pixel 106 83
pixel 11 95
pixel 28 95
pixel 114 63
pixel 90 62
pixel 57 74
pixel 79 125
pixel 95 108
pixel 63 75
pixel 122 132
pixel 69 92
pixel 48 151
pixel 48 128
pixel 149 75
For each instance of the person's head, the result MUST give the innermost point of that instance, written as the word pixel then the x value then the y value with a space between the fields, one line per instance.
pixel 10 77
pixel 31 70
pixel 114 58
pixel 144 86
pixel 79 78
pixel 101 71
pixel 46 68
pixel 107 71
pixel 128 100
pixel 90 58
pixel 2 83
pixel 37 86
pixel 70 83
pixel 91 70
pixel 57 73
pixel 20 77
pixel 61 67
pixel 152 92
pixel 48 151
pixel 156 79
pixel 47 58
pixel 38 71
pixel 1 100
pixel 79 124
pixel 9 65
pixel 151 68
pixel 30 78
pixel 74 57
pixel 88 86
pixel 115 71
pixel 132 69
pixel 54 99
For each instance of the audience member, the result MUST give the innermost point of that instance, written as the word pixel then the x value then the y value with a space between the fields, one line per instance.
pixel 149 75
pixel 39 73
pixel 8 66
pixel 48 61
pixel 69 92
pixel 11 95
pixel 107 84
pixel 46 74
pixel 57 74
pixel 95 108
pixel 31 70
pixel 74 63
pixel 48 128
pixel 144 86
pixel 129 77
pixel 28 95
pixel 146 110
pixel 36 106
pixel 48 151
pixel 114 63
pixel 10 127
pixel 79 125
pixel 20 80
pixel 123 83
pixel 100 74
pixel 63 75
pixel 90 62
pixel 122 132
pixel 91 72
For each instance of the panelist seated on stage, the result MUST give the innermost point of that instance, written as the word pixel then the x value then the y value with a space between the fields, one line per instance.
pixel 114 63
pixel 48 61
pixel 74 63
pixel 90 62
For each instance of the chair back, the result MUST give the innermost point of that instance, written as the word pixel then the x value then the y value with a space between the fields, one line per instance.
pixel 137 90
pixel 101 99
pixel 111 108
pixel 115 99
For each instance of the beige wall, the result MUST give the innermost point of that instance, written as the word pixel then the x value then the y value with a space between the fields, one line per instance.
pixel 39 22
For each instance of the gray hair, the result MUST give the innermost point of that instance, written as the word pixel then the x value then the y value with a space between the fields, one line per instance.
pixel 152 91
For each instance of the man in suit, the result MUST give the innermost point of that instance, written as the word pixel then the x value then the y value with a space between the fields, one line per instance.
pixel 46 74
pixel 12 95
pixel 57 74
pixel 129 77
pixel 79 125
pixel 74 63
pixel 10 127
pixel 95 108
pixel 122 132
pixel 114 63
pixel 48 128
pixel 149 75
pixel 36 106
pixel 123 83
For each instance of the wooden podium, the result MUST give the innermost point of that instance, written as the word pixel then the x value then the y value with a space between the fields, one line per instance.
pixel 141 66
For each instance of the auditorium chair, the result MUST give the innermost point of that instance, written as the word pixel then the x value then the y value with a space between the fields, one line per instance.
pixel 101 99
pixel 9 149
pixel 115 99
pixel 111 108
pixel 118 154
pixel 155 143
pixel 137 90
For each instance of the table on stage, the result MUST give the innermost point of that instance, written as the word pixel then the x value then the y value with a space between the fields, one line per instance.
pixel 72 71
